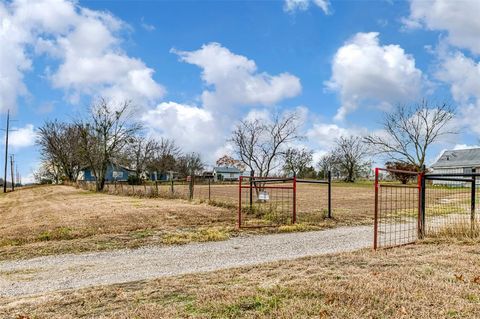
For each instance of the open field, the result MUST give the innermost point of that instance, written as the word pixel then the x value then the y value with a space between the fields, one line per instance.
pixel 438 280
pixel 352 203
pixel 60 219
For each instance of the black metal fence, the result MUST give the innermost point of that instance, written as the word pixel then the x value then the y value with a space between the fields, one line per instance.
pixel 432 205
pixel 449 204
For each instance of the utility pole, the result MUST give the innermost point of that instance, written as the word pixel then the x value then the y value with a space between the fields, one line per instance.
pixel 6 153
pixel 12 161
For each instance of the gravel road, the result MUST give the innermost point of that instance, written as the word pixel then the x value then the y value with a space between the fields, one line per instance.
pixel 51 273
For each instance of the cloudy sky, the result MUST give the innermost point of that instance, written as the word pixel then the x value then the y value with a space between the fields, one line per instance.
pixel 194 68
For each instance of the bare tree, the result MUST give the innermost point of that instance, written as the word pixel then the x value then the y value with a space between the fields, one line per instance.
pixel 325 164
pixel 297 160
pixel 104 136
pixel 59 146
pixel 410 130
pixel 261 144
pixel 190 164
pixel 140 153
pixel 47 173
pixel 350 157
pixel 165 156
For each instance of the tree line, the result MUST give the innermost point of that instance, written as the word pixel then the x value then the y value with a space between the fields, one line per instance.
pixel 109 134
pixel 407 132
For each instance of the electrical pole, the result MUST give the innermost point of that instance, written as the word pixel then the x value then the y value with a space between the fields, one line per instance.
pixel 12 161
pixel 6 153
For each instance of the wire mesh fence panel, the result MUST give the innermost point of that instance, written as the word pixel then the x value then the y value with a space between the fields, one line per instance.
pixel 218 192
pixel 397 210
pixel 313 202
pixel 265 202
pixel 451 205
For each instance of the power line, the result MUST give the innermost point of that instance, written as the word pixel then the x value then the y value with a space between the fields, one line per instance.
pixel 6 152
pixel 12 161
pixel 7 131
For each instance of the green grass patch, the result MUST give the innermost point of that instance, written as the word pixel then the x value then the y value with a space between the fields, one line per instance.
pixel 60 233
pixel 201 235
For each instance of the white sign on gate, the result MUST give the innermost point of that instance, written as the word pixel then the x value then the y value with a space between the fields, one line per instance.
pixel 263 195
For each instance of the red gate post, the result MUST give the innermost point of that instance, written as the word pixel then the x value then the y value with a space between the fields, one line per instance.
pixel 240 202
pixel 294 217
pixel 375 230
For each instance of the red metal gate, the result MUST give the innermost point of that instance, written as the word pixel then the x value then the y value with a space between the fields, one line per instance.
pixel 397 209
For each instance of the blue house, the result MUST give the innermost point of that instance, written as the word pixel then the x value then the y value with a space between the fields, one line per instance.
pixel 114 173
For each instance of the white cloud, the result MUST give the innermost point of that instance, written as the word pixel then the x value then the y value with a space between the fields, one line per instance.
pixel 463 76
pixel 365 71
pixel 236 80
pixel 22 137
pixel 13 60
pixel 146 26
pixel 462 73
pixel 325 134
pixel 302 5
pixel 87 44
pixel 458 18
pixel 193 128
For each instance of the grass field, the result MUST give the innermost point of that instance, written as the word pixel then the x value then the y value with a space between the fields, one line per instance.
pixel 60 219
pixel 57 219
pixel 438 280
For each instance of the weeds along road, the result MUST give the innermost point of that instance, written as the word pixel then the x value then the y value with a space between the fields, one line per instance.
pixel 60 272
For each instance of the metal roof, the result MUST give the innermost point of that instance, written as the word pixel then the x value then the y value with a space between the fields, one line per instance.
pixel 227 170
pixel 459 158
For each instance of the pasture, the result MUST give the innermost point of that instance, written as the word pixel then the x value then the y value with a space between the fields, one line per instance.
pixel 47 220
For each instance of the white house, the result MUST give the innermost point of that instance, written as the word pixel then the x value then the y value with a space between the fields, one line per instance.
pixel 226 174
pixel 457 162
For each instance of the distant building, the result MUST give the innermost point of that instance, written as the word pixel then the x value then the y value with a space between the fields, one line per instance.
pixel 457 162
pixel 114 173
pixel 226 173
pixel 166 176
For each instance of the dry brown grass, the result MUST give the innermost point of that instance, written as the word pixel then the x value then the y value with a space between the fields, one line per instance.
pixel 439 280
pixel 55 219
pixel 60 219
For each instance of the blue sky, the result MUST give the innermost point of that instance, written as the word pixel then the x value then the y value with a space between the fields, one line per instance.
pixel 194 68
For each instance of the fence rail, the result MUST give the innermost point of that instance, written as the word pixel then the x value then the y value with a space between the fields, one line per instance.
pixel 437 204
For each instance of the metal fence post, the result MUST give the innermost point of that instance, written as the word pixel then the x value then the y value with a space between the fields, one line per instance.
pixel 422 200
pixel 156 187
pixel 172 187
pixel 294 216
pixel 240 202
pixel 190 187
pixel 329 176
pixel 474 191
pixel 209 189
pixel 375 229
pixel 252 175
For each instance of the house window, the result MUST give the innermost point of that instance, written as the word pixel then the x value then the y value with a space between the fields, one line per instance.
pixel 467 170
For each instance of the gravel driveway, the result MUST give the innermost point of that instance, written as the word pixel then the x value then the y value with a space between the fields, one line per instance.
pixel 50 273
